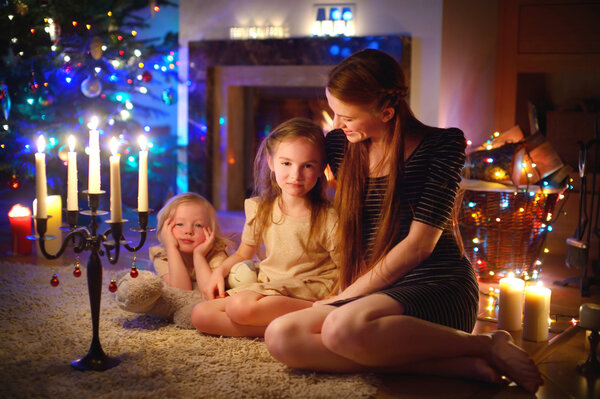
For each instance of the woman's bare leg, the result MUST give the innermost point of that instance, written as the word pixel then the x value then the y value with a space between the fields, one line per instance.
pixel 372 332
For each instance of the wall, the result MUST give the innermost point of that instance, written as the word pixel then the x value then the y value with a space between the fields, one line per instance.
pixel 453 48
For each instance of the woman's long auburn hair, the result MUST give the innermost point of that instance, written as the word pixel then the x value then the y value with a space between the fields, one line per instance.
pixel 374 80
pixel 268 191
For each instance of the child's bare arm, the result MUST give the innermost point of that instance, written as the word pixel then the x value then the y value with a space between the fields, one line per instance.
pixel 201 266
pixel 178 275
pixel 215 287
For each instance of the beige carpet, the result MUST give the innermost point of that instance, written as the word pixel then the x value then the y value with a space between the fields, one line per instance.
pixel 43 328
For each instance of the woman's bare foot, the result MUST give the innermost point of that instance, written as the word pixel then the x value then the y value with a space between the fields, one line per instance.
pixel 512 362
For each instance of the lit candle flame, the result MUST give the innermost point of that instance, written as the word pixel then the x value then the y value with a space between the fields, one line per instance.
pixel 114 146
pixel 41 143
pixel 94 122
pixel 573 321
pixel 71 142
pixel 143 142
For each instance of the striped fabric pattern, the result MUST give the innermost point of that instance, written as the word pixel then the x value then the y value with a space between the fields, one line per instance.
pixel 443 289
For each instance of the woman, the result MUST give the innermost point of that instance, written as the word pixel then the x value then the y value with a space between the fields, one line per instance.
pixel 409 296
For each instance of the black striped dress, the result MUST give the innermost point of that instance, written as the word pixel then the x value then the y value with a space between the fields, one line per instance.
pixel 443 289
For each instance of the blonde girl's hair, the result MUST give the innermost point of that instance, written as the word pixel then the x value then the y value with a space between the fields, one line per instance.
pixel 268 191
pixel 373 79
pixel 221 242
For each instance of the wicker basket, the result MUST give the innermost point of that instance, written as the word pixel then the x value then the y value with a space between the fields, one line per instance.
pixel 503 230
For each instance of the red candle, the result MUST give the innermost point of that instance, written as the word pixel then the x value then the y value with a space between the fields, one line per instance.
pixel 20 227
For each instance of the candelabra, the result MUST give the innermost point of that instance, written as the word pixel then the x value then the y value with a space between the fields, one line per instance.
pixel 88 239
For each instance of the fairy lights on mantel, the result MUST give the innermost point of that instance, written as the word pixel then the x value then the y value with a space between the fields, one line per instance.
pixel 258 32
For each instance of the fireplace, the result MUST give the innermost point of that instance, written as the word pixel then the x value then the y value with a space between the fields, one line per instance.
pixel 241 89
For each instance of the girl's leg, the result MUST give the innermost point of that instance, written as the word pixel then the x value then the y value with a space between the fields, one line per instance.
pixel 209 317
pixel 374 332
pixel 254 309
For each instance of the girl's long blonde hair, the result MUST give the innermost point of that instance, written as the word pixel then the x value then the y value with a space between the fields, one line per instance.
pixel 372 79
pixel 268 191
pixel 221 243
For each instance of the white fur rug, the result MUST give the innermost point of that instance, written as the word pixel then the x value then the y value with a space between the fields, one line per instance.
pixel 44 328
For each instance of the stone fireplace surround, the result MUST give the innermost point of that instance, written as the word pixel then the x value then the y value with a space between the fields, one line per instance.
pixel 225 77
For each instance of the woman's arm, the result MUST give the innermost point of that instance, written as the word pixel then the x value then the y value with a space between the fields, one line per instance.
pixel 215 287
pixel 401 259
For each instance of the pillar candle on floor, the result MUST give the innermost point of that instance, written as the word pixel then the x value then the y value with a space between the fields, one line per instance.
pixel 536 312
pixel 19 217
pixel 510 303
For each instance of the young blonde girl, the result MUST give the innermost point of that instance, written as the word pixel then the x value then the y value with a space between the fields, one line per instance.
pixel 192 242
pixel 293 218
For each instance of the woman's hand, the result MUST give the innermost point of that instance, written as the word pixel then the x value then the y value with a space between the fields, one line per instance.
pixel 215 286
pixel 166 235
pixel 205 247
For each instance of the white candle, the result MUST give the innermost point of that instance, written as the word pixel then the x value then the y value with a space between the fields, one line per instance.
pixel 94 158
pixel 115 182
pixel 536 313
pixel 41 190
pixel 510 303
pixel 72 204
pixel 143 176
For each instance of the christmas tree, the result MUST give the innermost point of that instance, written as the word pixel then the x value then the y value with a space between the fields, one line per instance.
pixel 63 62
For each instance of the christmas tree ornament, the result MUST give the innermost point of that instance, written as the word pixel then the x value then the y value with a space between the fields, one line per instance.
pixel 53 30
pixel 169 96
pixel 77 271
pixel 112 287
pixel 134 271
pixel 68 67
pixel 54 280
pixel 63 153
pixel 14 183
pixel 96 48
pixel 46 98
pixel 146 76
pixel 91 87
pixel 22 8
pixel 5 100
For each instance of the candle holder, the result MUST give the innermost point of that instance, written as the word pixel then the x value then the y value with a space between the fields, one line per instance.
pixel 591 366
pixel 88 239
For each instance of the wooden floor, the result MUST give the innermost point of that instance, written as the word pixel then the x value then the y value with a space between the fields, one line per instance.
pixel 558 368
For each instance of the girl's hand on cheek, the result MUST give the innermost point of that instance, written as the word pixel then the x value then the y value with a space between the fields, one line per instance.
pixel 209 239
pixel 166 234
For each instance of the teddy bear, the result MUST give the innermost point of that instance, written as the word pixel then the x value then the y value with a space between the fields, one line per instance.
pixel 149 294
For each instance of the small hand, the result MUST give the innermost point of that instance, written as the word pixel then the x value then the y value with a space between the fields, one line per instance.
pixel 205 247
pixel 166 235
pixel 215 286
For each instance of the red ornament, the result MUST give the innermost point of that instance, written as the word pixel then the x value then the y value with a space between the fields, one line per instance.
pixel 112 286
pixel 134 272
pixel 77 271
pixel 54 281
pixel 14 183
pixel 146 76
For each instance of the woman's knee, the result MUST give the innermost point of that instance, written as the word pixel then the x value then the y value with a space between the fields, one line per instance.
pixel 281 338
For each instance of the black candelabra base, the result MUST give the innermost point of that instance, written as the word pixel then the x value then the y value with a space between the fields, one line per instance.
pixel 88 239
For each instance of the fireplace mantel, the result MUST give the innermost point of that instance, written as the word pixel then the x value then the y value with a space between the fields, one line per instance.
pixel 219 72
